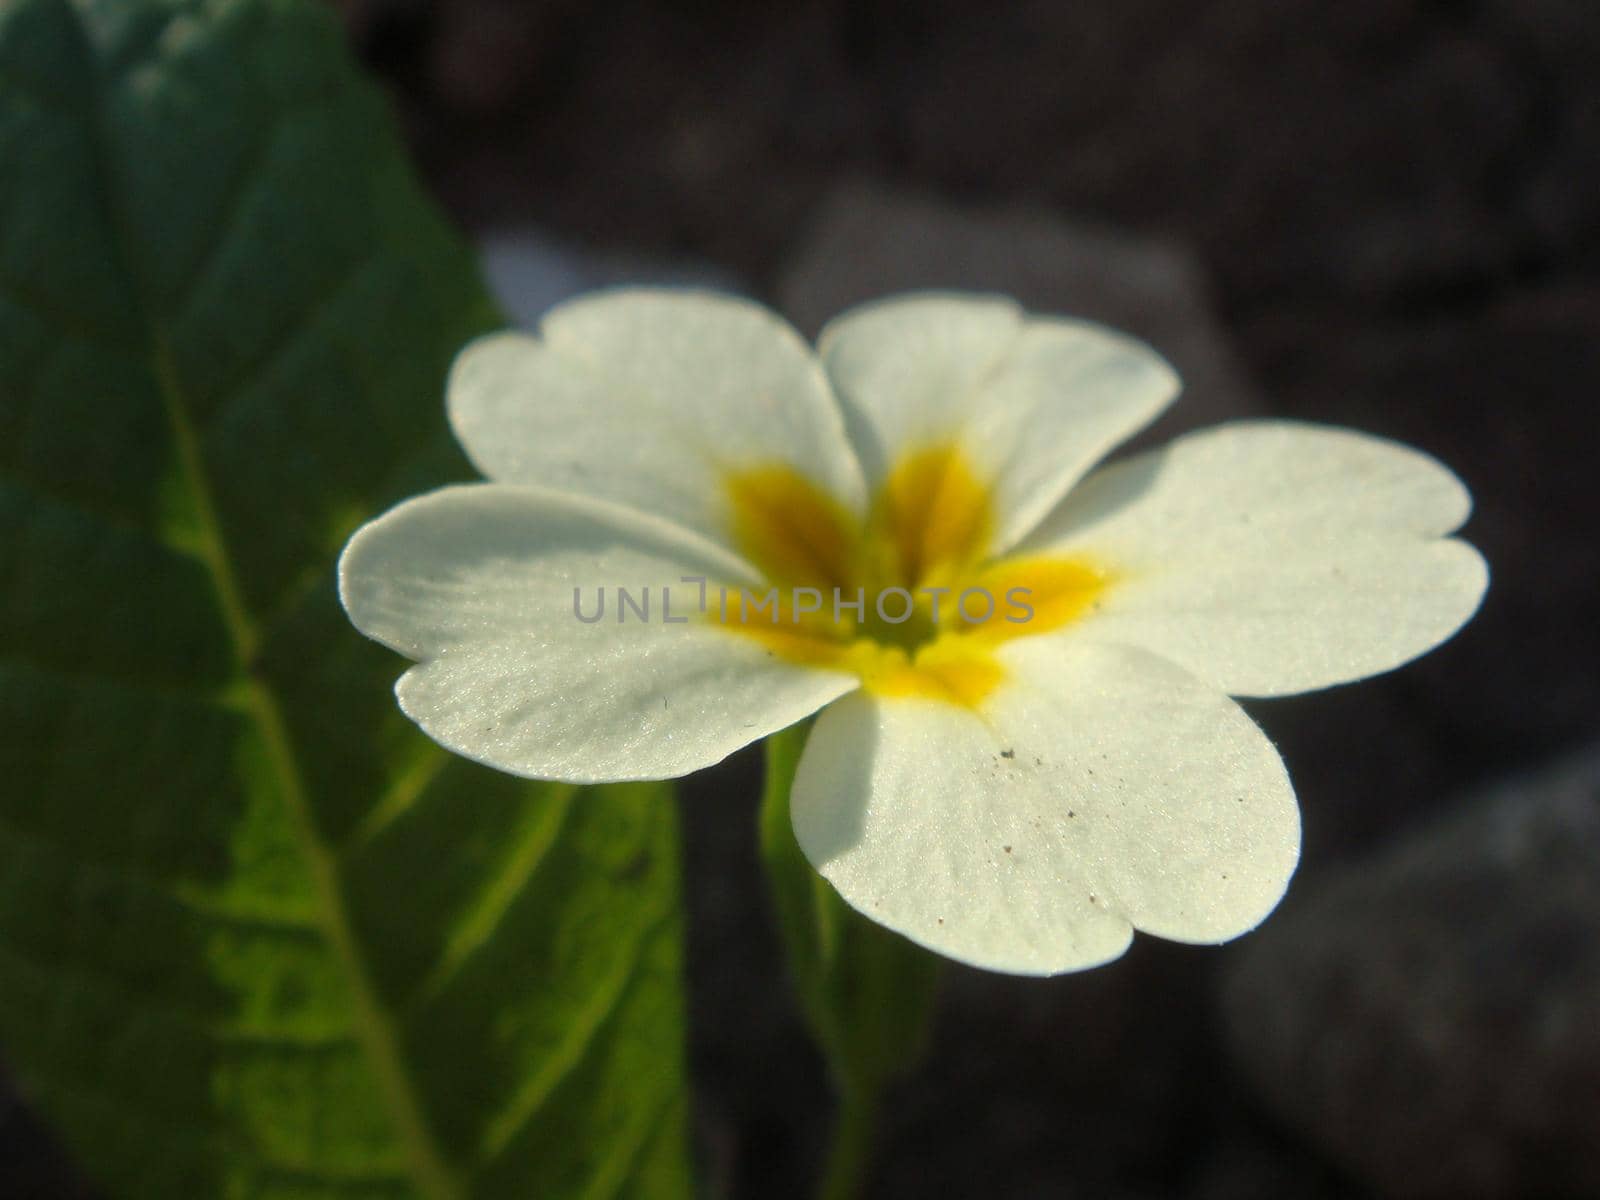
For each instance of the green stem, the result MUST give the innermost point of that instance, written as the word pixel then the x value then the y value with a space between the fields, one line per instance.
pixel 866 993
pixel 851 1151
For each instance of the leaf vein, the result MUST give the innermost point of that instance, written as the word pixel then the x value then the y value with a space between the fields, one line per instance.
pixel 433 1177
pixel 257 370
pixel 498 896
pixel 620 1164
pixel 245 182
pixel 399 798
pixel 528 1101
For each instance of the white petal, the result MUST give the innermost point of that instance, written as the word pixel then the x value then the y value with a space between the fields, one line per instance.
pixel 647 398
pixel 1273 557
pixel 478 582
pixel 1034 402
pixel 1099 789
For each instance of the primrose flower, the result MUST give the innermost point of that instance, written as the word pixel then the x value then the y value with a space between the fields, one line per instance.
pixel 699 532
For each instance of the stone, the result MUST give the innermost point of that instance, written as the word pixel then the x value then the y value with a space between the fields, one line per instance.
pixel 528 271
pixel 1428 1016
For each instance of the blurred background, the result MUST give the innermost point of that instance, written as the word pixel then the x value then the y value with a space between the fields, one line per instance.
pixel 1380 213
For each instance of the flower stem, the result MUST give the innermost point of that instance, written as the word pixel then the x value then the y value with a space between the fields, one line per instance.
pixel 851 1152
pixel 866 993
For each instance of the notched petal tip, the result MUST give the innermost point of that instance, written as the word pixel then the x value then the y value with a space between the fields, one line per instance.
pixel 1099 791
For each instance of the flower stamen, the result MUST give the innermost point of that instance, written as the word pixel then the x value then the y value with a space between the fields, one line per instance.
pixel 910 603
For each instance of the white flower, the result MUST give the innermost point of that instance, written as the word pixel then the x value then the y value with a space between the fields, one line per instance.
pixel 1017 795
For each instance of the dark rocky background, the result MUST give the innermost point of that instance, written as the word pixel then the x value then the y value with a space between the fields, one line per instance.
pixel 1381 213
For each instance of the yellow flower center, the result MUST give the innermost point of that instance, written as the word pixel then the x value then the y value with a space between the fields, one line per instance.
pixel 907 599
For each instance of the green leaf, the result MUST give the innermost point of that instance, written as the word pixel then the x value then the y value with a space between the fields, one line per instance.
pixel 866 993
pixel 258 937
